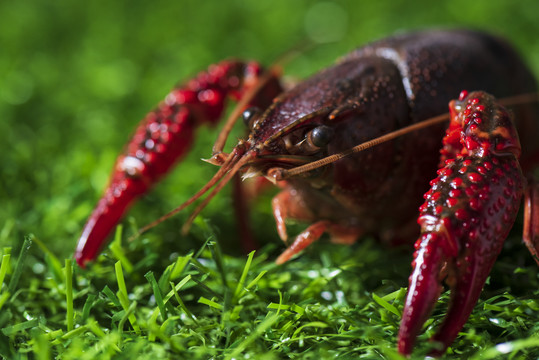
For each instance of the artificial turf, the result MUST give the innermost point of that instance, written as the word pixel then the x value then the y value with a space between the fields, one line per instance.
pixel 74 80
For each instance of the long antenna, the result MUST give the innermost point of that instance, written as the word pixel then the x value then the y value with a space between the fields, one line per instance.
pixel 280 174
pixel 520 99
pixel 229 163
pixel 235 167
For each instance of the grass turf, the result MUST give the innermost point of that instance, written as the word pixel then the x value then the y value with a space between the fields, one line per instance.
pixel 73 81
pixel 206 304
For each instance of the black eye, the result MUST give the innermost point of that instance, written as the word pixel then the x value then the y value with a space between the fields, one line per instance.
pixel 320 136
pixel 250 115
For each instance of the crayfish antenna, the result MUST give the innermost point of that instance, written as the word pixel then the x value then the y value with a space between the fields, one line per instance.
pixel 520 99
pixel 281 174
pixel 226 178
pixel 231 166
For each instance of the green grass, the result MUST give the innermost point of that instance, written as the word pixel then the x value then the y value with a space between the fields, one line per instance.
pixel 74 80
pixel 206 304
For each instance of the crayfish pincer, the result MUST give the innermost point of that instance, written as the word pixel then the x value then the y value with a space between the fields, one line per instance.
pixel 347 142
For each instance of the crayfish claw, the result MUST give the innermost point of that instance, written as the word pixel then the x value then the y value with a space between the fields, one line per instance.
pixel 466 217
pixel 465 275
pixel 470 276
pixel 424 289
pixel 117 198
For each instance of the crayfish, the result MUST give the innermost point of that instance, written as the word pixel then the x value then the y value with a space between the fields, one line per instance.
pixel 310 140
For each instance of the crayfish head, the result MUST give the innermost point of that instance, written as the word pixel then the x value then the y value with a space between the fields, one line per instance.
pixel 283 140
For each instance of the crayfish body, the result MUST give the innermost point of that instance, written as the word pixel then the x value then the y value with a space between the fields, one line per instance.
pixel 378 89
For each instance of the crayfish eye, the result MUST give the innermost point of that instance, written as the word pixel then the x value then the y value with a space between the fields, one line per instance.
pixel 250 116
pixel 320 136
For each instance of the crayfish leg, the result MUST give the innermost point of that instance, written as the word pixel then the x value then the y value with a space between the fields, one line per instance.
pixel 306 238
pixel 339 234
pixel 289 204
pixel 241 210
pixel 531 219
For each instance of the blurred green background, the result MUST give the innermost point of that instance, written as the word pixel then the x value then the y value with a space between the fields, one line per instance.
pixel 75 77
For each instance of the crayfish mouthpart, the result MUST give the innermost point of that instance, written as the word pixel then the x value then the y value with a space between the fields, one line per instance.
pixel 250 173
pixel 276 174
pixel 217 159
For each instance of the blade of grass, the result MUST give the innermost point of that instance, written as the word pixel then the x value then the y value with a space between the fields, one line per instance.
pixel 258 331
pixel 203 269
pixel 153 328
pixel 157 293
pixel 255 280
pixel 7 251
pixel 386 305
pixel 161 333
pixel 507 347
pixel 175 290
pixel 6 230
pixel 55 334
pixel 42 349
pixel 313 324
pixel 180 265
pixel 110 295
pixel 94 327
pixel 4 268
pixel 118 251
pixel 211 303
pixel 217 255
pixel 70 334
pixel 50 258
pixel 207 288
pixel 3 299
pixel 20 263
pixel 243 276
pixel 128 315
pixel 296 308
pixel 164 279
pixel 70 318
pixel 87 307
pixel 10 330
pixel 177 287
pixel 122 296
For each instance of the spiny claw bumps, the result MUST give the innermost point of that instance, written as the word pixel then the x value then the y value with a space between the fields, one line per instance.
pixel 467 215
pixel 159 141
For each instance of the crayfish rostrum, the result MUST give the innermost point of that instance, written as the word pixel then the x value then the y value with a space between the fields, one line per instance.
pixel 308 139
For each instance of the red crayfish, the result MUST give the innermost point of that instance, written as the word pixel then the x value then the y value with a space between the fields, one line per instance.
pixel 306 139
